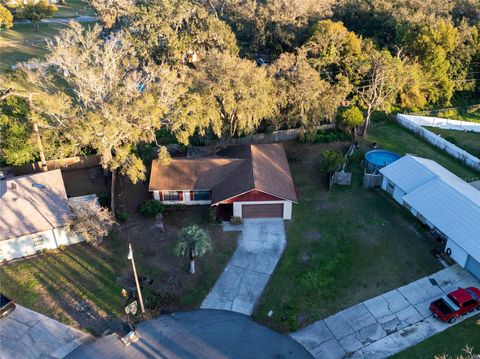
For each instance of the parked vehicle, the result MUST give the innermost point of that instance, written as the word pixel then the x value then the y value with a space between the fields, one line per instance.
pixel 457 303
pixel 6 306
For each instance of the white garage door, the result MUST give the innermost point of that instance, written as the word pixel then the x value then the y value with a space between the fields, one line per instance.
pixel 473 266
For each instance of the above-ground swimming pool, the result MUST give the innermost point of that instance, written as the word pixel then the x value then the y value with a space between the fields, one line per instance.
pixel 376 159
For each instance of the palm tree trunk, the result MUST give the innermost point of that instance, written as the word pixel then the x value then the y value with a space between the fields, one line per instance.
pixel 192 266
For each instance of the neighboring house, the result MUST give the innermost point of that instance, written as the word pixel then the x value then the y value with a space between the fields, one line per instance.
pixel 33 213
pixel 440 200
pixel 247 181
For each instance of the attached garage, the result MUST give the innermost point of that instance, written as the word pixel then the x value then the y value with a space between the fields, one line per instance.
pixel 262 210
pixel 473 266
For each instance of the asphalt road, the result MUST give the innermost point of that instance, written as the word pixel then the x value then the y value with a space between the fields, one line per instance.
pixel 205 334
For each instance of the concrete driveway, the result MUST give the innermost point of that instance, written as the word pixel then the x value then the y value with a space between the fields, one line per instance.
pixel 25 334
pixel 387 324
pixel 260 247
pixel 201 334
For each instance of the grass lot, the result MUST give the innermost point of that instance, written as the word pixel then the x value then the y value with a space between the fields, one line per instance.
pixel 22 43
pixel 344 246
pixel 392 136
pixel 469 141
pixel 54 283
pixel 74 8
pixel 349 244
pixel 450 342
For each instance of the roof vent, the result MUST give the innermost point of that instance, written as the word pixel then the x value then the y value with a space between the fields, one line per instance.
pixel 38 185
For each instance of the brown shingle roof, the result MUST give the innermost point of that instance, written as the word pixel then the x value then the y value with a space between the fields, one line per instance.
pixel 238 169
pixel 32 203
pixel 186 174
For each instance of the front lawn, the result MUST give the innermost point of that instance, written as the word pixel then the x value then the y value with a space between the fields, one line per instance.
pixel 349 244
pixel 55 283
pixel 344 246
pixel 451 342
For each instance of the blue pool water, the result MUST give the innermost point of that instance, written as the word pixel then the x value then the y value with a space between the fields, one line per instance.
pixel 376 159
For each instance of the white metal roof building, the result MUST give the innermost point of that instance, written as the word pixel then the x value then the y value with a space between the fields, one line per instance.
pixel 443 201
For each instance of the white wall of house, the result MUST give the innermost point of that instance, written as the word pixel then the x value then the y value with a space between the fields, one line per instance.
pixel 458 254
pixel 287 207
pixel 397 194
pixel 24 246
pixel 186 199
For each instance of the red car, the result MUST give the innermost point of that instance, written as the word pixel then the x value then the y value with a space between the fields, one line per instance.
pixel 457 303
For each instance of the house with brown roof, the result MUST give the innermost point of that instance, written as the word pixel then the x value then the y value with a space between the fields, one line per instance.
pixel 33 214
pixel 246 181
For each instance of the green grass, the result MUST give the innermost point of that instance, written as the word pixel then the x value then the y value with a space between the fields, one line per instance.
pixel 55 282
pixel 390 135
pixel 469 141
pixel 51 282
pixel 22 43
pixel 344 246
pixel 469 112
pixel 450 342
pixel 349 244
pixel 74 8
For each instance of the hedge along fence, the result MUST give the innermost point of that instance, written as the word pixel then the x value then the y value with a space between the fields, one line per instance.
pixel 65 164
pixel 439 142
pixel 444 123
pixel 276 136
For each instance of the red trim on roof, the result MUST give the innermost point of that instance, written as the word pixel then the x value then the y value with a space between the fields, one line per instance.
pixel 253 196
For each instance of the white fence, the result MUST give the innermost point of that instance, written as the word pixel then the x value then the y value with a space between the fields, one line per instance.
pixel 444 123
pixel 455 151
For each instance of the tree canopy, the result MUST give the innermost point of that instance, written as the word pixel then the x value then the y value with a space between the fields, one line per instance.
pixel 226 68
pixel 6 18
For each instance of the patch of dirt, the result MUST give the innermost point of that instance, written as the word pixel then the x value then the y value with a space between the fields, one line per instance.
pixel 302 319
pixel 85 181
pixel 314 235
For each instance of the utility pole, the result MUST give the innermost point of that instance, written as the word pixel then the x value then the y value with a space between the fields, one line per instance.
pixel 130 256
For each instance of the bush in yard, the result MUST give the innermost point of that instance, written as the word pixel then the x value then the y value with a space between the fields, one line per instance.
pixel 331 135
pixel 104 199
pixel 307 135
pixel 122 217
pixel 350 118
pixel 234 220
pixel 151 208
pixel 212 216
pixel 330 160
pixel 91 221
pixel 193 242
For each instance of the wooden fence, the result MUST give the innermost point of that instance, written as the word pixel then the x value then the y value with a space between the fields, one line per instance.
pixel 276 136
pixel 65 164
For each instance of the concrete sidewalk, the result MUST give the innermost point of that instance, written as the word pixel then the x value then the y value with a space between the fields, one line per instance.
pixel 387 324
pixel 25 334
pixel 259 249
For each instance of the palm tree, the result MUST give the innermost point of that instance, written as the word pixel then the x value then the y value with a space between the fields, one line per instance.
pixel 193 242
